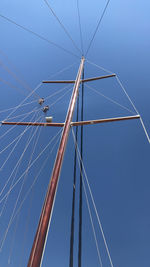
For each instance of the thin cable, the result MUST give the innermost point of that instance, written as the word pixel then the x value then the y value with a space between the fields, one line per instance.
pixel 141 120
pixel 37 87
pixel 26 195
pixel 97 26
pixel 14 140
pixel 53 75
pixel 62 70
pixel 35 179
pixel 14 233
pixel 61 24
pixel 94 232
pixel 18 162
pixel 146 133
pixel 5 110
pixel 79 19
pixel 110 99
pixel 127 95
pixel 91 219
pixel 16 168
pixel 87 201
pixel 38 35
pixel 13 241
pixel 99 67
pixel 22 82
pixel 17 79
pixel 11 152
pixel 61 90
pixel 26 228
pixel 11 128
pixel 46 98
pixel 12 86
pixel 30 166
pixel 60 97
pixel 98 219
pixel 18 116
pixel 19 194
pixel 14 177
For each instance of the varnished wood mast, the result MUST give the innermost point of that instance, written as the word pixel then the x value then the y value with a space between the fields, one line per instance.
pixel 37 251
pixel 42 231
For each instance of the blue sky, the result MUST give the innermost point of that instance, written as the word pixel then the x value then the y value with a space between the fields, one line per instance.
pixel 116 155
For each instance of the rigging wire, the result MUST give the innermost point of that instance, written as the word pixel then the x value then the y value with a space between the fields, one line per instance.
pixel 92 223
pixel 11 128
pixel 13 240
pixel 20 106
pixel 144 128
pixel 21 136
pixel 21 188
pixel 11 152
pixel 121 85
pixel 60 97
pixel 94 205
pixel 103 13
pixel 15 170
pixel 18 162
pixel 5 110
pixel 61 24
pixel 127 95
pixel 141 120
pixel 26 227
pixel 28 217
pixel 12 86
pixel 25 178
pixel 79 19
pixel 99 67
pixel 89 210
pixel 38 35
pixel 33 91
pixel 62 70
pixel 59 91
pixel 18 116
pixel 32 112
pixel 14 140
pixel 110 99
pixel 35 179
pixel 14 177
pixel 17 214
pixel 28 169
pixel 17 79
pixel 2 199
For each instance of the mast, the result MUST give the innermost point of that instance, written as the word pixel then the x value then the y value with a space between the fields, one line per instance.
pixel 39 243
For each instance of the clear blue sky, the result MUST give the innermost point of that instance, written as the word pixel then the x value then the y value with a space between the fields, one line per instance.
pixel 116 156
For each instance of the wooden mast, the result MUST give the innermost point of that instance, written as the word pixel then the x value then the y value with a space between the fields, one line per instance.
pixel 44 222
pixel 39 243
